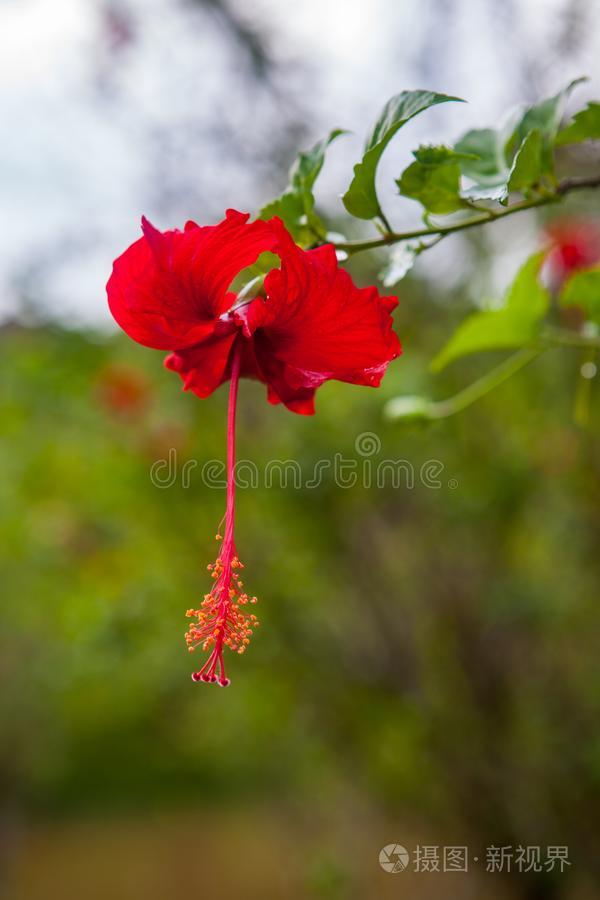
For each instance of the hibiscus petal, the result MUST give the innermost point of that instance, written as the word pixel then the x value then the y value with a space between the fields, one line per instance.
pixel 168 288
pixel 223 250
pixel 282 386
pixel 315 324
pixel 204 367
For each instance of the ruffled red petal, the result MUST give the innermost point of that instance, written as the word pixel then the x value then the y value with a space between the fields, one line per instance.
pixel 315 325
pixel 168 288
pixel 204 367
pixel 282 386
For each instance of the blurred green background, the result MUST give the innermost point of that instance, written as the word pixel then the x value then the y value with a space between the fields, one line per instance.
pixel 426 667
pixel 426 670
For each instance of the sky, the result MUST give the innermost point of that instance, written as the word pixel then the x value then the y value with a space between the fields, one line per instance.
pixel 115 108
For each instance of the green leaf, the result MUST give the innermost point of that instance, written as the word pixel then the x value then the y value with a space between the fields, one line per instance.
pixel 583 289
pixel 307 166
pixel 514 325
pixel 526 169
pixel 494 330
pixel 434 180
pixel 497 150
pixel 361 198
pixel 585 126
pixel 482 156
pixel 543 117
pixel 290 209
pixel 483 161
pixel 296 206
pixel 247 282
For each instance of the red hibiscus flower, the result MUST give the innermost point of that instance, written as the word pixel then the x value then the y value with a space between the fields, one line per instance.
pixel 171 291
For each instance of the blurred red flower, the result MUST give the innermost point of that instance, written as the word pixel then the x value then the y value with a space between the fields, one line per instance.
pixel 171 291
pixel 574 244
pixel 122 390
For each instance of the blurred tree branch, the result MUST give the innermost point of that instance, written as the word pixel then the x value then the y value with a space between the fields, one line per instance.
pixel 249 39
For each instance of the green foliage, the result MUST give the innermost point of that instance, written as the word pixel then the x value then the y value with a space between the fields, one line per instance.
pixel 249 281
pixel 543 117
pixel 526 169
pixel 434 180
pixel 518 156
pixel 515 324
pixel 289 207
pixel 583 289
pixel 483 161
pixel 585 126
pixel 296 206
pixel 361 197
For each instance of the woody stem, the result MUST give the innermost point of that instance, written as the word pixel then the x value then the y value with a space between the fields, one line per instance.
pixel 567 186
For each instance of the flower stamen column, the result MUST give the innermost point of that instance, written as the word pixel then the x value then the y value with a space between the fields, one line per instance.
pixel 221 622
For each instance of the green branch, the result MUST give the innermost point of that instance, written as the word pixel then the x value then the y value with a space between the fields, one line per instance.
pixel 422 409
pixel 565 187
pixel 485 384
pixel 560 337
